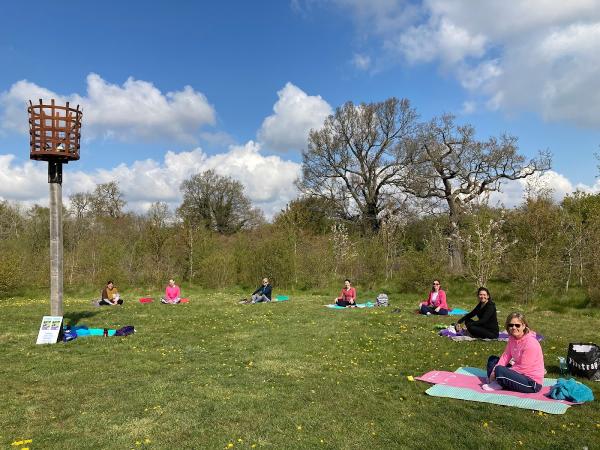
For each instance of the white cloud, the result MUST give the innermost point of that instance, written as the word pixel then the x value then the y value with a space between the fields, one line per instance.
pixel 513 192
pixel 269 180
pixel 135 110
pixel 362 62
pixel 533 55
pixel 295 114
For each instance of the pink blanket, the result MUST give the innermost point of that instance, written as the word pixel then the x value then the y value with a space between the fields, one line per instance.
pixel 474 383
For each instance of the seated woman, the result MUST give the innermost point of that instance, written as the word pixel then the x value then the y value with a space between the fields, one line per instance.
pixel 110 296
pixel 436 302
pixel 521 366
pixel 263 292
pixel 486 327
pixel 347 297
pixel 172 294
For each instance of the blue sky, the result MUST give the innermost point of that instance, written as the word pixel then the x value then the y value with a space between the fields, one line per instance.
pixel 236 85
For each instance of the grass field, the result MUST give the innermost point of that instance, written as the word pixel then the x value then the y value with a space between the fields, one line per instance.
pixel 215 374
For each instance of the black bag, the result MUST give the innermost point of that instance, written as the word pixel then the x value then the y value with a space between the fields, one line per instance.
pixel 125 331
pixel 583 360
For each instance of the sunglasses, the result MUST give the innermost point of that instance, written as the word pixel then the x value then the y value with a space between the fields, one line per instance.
pixel 436 284
pixel 515 325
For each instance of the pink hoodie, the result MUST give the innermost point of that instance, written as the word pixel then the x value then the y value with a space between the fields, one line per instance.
pixel 526 355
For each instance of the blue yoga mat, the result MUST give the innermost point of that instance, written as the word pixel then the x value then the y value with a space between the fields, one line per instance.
pixel 457 312
pixel 85 331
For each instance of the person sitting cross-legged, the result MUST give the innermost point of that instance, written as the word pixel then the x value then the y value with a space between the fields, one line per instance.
pixel 172 294
pixel 110 296
pixel 436 301
pixel 347 297
pixel 521 366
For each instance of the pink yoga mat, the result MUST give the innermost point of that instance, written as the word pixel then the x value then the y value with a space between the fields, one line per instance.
pixel 184 300
pixel 146 300
pixel 475 383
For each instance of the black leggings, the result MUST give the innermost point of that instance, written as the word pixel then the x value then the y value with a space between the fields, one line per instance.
pixel 478 331
pixel 105 302
pixel 342 302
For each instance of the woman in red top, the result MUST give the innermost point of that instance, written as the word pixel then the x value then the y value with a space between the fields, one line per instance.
pixel 348 296
pixel 436 302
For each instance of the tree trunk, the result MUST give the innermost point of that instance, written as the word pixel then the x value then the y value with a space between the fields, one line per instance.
pixel 454 246
pixel 56 250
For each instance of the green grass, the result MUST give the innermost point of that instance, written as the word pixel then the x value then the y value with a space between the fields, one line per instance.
pixel 215 374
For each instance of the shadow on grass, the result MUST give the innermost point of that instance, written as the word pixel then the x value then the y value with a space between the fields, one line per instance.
pixel 73 318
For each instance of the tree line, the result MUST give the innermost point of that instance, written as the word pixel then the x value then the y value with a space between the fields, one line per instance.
pixel 387 200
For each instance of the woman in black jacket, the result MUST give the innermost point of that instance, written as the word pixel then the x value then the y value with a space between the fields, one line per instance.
pixel 486 325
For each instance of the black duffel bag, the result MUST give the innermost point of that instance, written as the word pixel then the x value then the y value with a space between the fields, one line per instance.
pixel 583 360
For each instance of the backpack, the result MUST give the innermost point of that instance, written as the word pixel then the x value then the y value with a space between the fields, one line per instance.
pixel 125 331
pixel 382 300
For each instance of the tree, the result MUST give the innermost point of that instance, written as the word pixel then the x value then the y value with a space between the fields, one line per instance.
pixel 107 200
pixel 218 203
pixel 357 159
pixel 449 165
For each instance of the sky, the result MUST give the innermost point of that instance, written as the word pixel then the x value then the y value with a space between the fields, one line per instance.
pixel 170 89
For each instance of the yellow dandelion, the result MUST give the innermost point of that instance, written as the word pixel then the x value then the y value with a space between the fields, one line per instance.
pixel 485 424
pixel 147 441
pixel 299 427
pixel 410 378
pixel 230 445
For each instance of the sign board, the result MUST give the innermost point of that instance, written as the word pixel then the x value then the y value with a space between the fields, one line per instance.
pixel 49 330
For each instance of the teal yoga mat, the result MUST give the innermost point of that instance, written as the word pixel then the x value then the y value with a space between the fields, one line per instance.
pixel 281 298
pixel 442 390
pixel 358 305
pixel 457 312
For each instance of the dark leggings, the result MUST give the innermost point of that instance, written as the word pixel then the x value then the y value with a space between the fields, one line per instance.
pixel 429 309
pixel 342 302
pixel 477 331
pixel 511 380
pixel 105 302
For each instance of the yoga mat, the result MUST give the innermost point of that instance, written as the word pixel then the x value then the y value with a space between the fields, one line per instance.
pixel 358 305
pixel 503 336
pixel 468 387
pixel 85 331
pixel 457 312
pixel 184 300
pixel 281 298
pixel 146 300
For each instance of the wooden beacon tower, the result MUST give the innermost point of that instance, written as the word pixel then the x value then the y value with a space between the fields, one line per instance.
pixel 54 136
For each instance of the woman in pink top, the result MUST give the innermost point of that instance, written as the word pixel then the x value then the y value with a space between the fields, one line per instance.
pixel 348 296
pixel 172 294
pixel 436 302
pixel 521 366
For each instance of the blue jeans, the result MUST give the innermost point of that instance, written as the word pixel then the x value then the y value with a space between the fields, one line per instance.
pixel 511 380
pixel 258 298
pixel 430 309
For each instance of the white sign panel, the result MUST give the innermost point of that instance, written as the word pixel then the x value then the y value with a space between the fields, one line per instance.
pixel 49 330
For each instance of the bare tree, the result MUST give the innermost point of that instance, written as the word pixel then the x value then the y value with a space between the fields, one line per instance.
pixel 449 165
pixel 107 200
pixel 80 204
pixel 218 203
pixel 357 159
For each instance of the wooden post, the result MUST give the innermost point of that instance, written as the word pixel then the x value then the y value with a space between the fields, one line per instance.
pixel 56 250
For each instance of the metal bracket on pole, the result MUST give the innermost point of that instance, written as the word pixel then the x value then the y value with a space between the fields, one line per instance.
pixel 54 172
